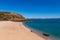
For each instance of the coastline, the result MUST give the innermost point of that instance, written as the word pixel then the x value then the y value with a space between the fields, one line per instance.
pixel 39 34
pixel 34 32
pixel 10 30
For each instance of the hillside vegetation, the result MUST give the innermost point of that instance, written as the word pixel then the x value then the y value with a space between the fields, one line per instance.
pixel 8 16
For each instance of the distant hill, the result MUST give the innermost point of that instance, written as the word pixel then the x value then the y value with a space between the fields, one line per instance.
pixel 8 16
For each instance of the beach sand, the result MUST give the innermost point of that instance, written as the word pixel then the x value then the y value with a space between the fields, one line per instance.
pixel 16 31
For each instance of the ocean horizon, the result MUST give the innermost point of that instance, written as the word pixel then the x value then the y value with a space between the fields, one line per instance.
pixel 47 26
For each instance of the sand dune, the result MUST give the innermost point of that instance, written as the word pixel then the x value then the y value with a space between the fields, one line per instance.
pixel 16 31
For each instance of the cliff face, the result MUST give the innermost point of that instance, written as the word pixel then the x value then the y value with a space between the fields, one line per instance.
pixel 6 16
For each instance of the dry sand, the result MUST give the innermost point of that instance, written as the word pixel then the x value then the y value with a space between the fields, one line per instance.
pixel 16 31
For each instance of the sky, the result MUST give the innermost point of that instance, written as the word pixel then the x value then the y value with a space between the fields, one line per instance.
pixel 32 8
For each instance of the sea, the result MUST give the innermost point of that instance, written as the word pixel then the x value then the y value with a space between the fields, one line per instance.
pixel 47 26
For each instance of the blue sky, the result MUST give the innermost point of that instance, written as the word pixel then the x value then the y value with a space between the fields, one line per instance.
pixel 32 8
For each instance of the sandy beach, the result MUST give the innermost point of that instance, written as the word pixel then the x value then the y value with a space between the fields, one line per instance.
pixel 16 31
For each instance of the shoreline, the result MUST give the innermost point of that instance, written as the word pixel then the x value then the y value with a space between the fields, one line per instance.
pixel 10 30
pixel 39 34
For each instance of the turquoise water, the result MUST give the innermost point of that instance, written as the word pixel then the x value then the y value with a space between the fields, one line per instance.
pixel 49 26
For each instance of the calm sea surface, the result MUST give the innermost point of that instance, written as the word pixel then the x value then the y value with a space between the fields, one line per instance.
pixel 48 26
